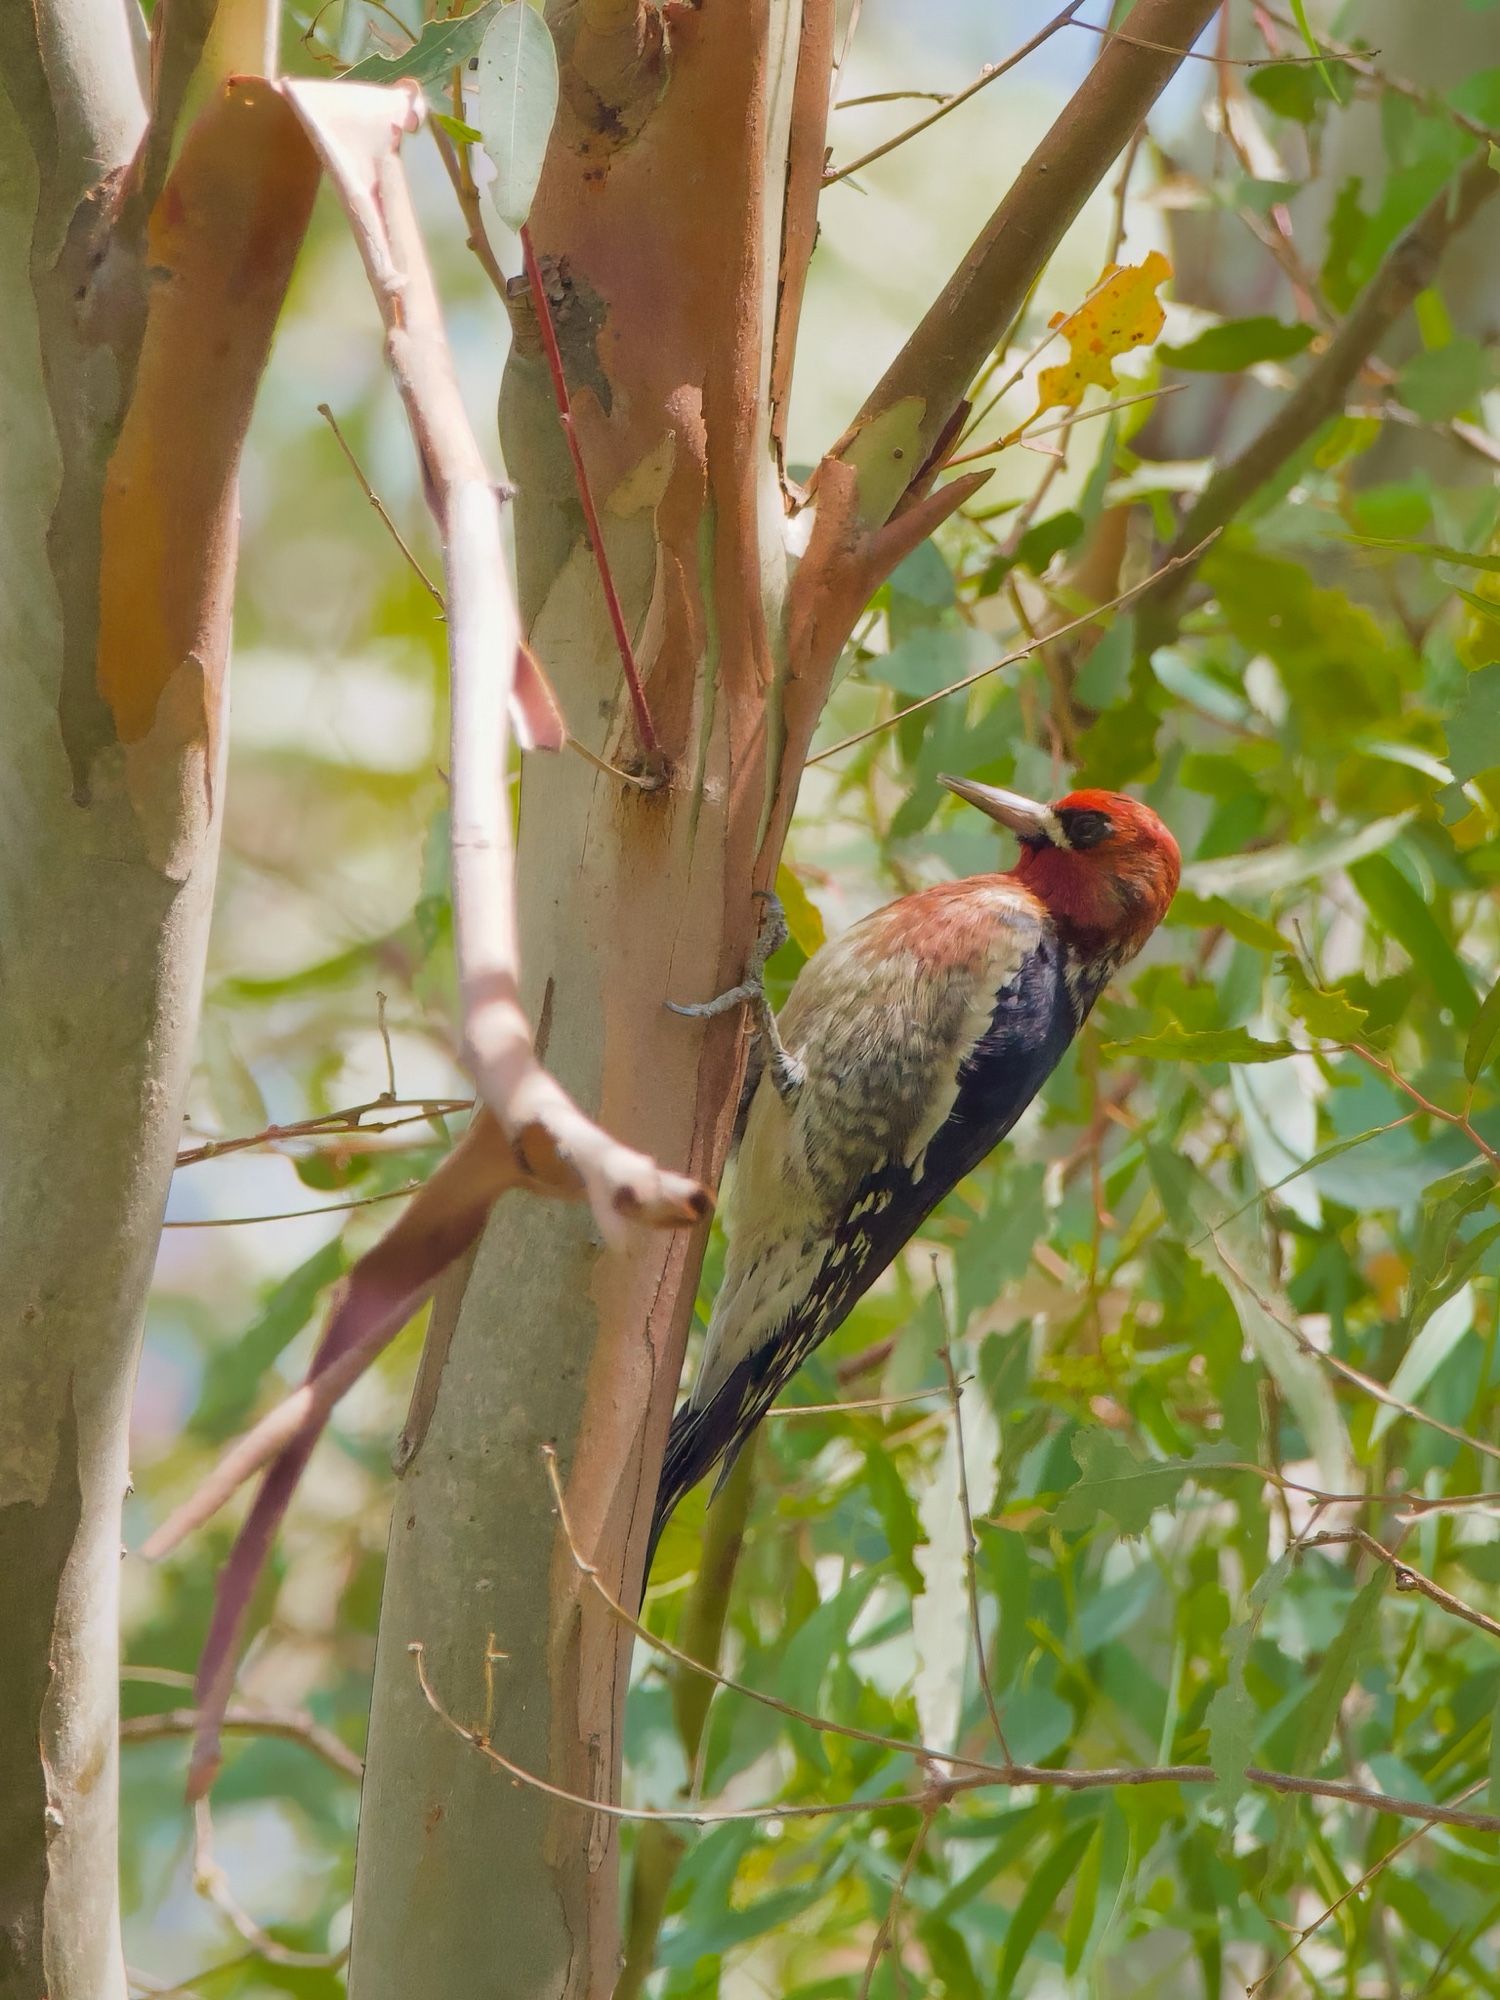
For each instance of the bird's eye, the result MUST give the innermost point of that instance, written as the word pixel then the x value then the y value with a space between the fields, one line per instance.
pixel 1084 827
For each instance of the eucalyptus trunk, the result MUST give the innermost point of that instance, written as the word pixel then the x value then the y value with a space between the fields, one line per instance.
pixel 132 333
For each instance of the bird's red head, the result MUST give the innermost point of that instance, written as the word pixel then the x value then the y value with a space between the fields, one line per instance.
pixel 1104 865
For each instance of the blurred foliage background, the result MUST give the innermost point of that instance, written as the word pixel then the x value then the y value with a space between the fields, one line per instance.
pixel 1262 1181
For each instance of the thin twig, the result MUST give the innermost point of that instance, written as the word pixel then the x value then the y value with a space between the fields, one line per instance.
pixel 867 1403
pixel 893 97
pixel 1407 1578
pixel 332 1124
pixel 1011 659
pixel 1065 423
pixel 1407 1840
pixel 293 1214
pixel 885 1933
pixel 292 1725
pixel 821 1725
pixel 991 73
pixel 380 507
pixel 211 1882
pixel 1018 1776
pixel 645 727
pixel 1459 1120
pixel 971 1575
pixel 383 1030
pixel 468 201
pixel 1350 1374
pixel 1192 55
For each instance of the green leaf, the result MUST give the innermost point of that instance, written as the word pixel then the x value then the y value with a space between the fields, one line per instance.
pixel 1129 1488
pixel 1319 1708
pixel 1329 1015
pixel 1239 343
pixel 803 917
pixel 1474 728
pixel 1206 1045
pixel 1432 551
pixel 432 58
pixel 457 130
pixel 1085 1903
pixel 1296 90
pixel 1494 1800
pixel 1445 1327
pixel 517 104
pixel 1040 544
pixel 1482 1035
pixel 1446 382
pixel 1232 1715
pixel 1232 1248
pixel 1275 868
pixel 1299 15
pixel 1213 912
pixel 1047 1884
pixel 1400 911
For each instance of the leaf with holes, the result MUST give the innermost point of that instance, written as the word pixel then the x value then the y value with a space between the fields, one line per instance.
pixel 517 76
pixel 432 58
pixel 1120 313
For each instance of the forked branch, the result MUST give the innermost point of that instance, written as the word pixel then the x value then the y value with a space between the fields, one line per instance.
pixel 981 300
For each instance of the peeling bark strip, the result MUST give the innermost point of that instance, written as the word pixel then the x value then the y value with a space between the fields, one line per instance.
pixel 673 225
pixel 134 342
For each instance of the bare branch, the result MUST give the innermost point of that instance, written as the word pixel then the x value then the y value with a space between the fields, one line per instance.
pixel 991 73
pixel 357 130
pixel 292 1725
pixel 380 507
pixel 1406 269
pixel 210 1880
pixel 330 1124
pixel 928 377
pixel 1407 1578
pixel 1086 618
pixel 1019 1776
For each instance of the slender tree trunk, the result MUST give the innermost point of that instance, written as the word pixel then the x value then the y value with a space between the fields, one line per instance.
pixel 679 205
pixel 124 404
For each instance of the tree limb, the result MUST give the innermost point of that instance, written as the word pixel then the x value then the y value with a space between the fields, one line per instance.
pixel 1407 268
pixel 979 302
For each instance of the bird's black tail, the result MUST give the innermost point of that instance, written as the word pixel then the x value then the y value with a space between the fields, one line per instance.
pixel 698 1439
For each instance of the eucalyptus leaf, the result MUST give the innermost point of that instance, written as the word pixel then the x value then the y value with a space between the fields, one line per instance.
pixel 517 102
pixel 442 47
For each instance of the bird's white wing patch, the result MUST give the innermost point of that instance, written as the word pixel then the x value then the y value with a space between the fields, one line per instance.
pixel 1014 941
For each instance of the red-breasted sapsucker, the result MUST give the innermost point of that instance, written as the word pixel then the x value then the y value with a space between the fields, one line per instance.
pixel 906 1051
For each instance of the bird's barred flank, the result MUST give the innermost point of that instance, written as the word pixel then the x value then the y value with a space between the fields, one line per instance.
pixel 906 1052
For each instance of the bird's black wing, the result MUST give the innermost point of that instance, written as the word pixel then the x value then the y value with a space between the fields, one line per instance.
pixel 1035 1017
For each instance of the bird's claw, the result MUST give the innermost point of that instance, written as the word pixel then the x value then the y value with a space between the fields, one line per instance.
pixel 770 937
pixel 773 933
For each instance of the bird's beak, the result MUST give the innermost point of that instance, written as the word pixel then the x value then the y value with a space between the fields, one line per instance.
pixel 1023 816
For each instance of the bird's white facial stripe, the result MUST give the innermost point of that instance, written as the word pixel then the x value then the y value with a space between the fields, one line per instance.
pixel 1053 827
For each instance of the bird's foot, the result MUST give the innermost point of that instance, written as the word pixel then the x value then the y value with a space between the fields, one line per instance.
pixel 771 936
pixel 786 1071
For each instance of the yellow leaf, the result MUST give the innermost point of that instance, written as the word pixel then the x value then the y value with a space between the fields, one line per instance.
pixel 1121 312
pixel 803 918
